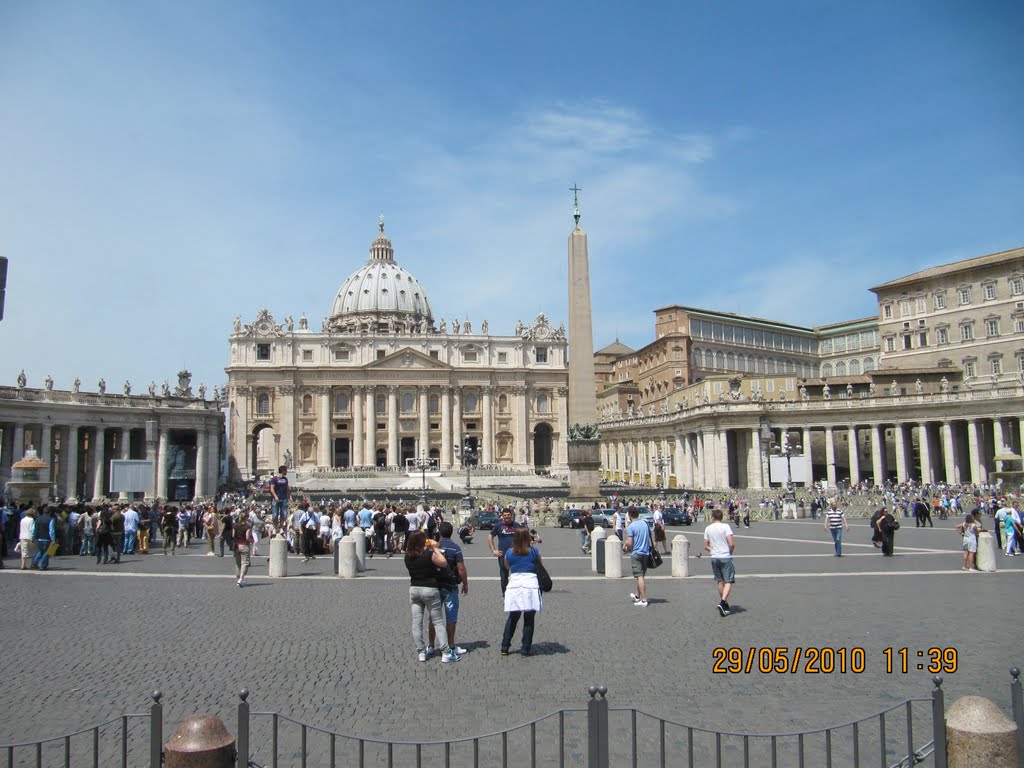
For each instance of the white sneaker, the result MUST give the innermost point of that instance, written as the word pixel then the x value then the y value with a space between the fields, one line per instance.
pixel 633 597
pixel 459 650
pixel 640 603
pixel 450 657
pixel 423 655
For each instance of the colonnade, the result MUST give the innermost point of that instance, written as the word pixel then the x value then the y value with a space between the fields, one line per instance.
pixel 79 455
pixel 945 450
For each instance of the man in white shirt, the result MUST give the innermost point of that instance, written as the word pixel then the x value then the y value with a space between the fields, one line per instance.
pixel 718 540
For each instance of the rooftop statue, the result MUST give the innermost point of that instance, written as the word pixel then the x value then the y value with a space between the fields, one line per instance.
pixel 48 383
pixel 76 385
pixel 22 380
pixel 101 386
pixel 127 387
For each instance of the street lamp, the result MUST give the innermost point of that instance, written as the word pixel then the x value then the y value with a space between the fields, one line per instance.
pixel 661 463
pixel 468 455
pixel 789 450
pixel 423 464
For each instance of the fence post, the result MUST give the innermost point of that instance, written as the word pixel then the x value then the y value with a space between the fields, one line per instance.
pixel 597 727
pixel 156 731
pixel 1017 698
pixel 242 737
pixel 939 723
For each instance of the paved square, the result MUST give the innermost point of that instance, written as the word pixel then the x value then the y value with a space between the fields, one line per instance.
pixel 84 643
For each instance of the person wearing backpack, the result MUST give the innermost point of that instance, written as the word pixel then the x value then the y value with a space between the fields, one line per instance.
pixel 454 580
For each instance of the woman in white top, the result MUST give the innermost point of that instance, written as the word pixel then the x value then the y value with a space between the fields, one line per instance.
pixel 969 529
pixel 337 530
pixel 27 537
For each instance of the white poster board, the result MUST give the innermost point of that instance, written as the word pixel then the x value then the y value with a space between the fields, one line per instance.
pixel 798 467
pixel 131 475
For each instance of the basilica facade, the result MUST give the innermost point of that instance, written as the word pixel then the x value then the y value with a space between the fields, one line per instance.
pixel 384 383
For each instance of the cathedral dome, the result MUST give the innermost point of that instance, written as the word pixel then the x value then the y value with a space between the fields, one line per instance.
pixel 381 297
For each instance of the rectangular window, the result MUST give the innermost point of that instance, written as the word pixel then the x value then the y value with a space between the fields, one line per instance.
pixel 965 296
pixel 1018 326
pixel 503 357
pixel 966 332
pixel 433 354
pixel 922 339
pixel 826 346
pixel 943 335
pixel 887 311
pixel 262 351
pixel 381 354
pixel 469 356
pixel 307 355
pixel 906 341
pixel 970 369
pixel 890 344
pixel 997 366
pixel 1016 286
pixel 341 354
pixel 940 301
pixel 542 354
pixel 904 307
pixel 992 327
pixel 990 291
pixel 922 306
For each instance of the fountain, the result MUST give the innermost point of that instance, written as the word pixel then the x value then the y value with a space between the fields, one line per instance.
pixel 30 479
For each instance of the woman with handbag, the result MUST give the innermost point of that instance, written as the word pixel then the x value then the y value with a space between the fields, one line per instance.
pixel 522 596
pixel 887 527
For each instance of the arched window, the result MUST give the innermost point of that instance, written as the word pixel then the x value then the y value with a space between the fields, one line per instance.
pixel 854 367
pixel 773 366
pixel 263 404
pixel 407 402
pixel 471 402
pixel 307 403
pixel 840 368
pixel 730 361
pixel 698 358
pixel 543 403
pixel 719 360
pixel 869 364
pixel 826 370
pixel 341 403
pixel 502 403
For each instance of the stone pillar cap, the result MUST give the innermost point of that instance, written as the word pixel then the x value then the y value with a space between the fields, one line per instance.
pixel 200 733
pixel 976 714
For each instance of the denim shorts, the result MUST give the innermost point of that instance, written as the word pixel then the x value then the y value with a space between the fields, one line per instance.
pixel 450 599
pixel 723 570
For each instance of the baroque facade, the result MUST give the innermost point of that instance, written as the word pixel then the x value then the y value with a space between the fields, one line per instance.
pixel 384 383
pixel 78 433
pixel 886 398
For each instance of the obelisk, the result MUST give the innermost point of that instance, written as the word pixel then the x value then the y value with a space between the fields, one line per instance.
pixel 584 439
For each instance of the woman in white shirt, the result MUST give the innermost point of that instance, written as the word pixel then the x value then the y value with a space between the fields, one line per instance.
pixel 27 537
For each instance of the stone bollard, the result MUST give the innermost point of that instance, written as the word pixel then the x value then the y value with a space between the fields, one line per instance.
pixel 278 567
pixel 347 557
pixel 978 733
pixel 613 557
pixel 201 741
pixel 680 556
pixel 359 536
pixel 986 559
pixel 596 542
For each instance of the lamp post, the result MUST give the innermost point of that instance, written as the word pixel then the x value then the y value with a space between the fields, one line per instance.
pixel 789 450
pixel 661 463
pixel 468 456
pixel 423 464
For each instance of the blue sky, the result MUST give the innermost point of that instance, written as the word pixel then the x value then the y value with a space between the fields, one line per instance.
pixel 167 166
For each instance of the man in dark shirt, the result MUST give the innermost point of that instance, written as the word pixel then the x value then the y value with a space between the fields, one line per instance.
pixel 117 531
pixel 501 541
pixel 587 525
pixel 279 490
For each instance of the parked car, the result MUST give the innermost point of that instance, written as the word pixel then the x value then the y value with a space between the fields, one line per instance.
pixel 647 516
pixel 570 517
pixel 677 516
pixel 603 517
pixel 484 520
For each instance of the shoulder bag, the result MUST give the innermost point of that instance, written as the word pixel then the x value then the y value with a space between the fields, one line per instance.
pixel 654 559
pixel 543 578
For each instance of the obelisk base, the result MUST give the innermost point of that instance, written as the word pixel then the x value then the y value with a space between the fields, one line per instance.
pixel 584 467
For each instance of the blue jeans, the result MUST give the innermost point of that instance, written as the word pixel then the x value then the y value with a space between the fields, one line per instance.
pixel 88 546
pixel 42 559
pixel 837 538
pixel 129 542
pixel 280 510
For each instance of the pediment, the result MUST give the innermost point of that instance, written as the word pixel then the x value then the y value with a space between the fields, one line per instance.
pixel 408 359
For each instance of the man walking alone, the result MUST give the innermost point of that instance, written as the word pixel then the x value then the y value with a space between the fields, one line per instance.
pixel 718 540
pixel 835 523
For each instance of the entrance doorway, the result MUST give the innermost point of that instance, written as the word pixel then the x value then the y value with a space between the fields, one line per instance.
pixel 342 453
pixel 542 448
pixel 407 450
pixel 382 457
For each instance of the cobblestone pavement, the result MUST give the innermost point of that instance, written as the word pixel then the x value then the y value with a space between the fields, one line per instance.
pixel 84 643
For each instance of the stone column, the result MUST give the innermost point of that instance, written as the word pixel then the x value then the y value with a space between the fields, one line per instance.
pixel 324 442
pixel 446 427
pixel 522 424
pixel 424 406
pixel 487 396
pixel 806 438
pixel 901 453
pixel 201 448
pixel 878 462
pixel 558 449
pixel 393 456
pixel 854 451
pixel 457 423
pixel 70 461
pixel 924 445
pixel 18 450
pixel 213 461
pixel 97 463
pixel 977 471
pixel 702 474
pixel 287 395
pixel 754 460
pixel 126 453
pixel 722 458
pixel 947 450
pixel 358 425
pixel 161 465
pixel 999 445
pixel 370 448
pixel 46 444
pixel 830 458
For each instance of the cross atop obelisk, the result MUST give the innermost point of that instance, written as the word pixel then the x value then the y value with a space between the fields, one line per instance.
pixel 576 202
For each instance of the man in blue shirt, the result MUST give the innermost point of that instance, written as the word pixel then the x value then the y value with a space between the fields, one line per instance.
pixel 279 490
pixel 456 580
pixel 501 541
pixel 45 532
pixel 638 545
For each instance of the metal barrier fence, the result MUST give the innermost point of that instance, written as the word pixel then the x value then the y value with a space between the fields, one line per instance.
pixel 910 733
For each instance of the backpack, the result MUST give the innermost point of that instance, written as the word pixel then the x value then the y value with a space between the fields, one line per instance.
pixel 401 523
pixel 450 577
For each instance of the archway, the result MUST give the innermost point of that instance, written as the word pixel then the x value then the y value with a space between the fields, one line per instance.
pixel 382 457
pixel 542 447
pixel 262 458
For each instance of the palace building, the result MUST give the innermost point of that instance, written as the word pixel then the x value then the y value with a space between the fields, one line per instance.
pixel 385 382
